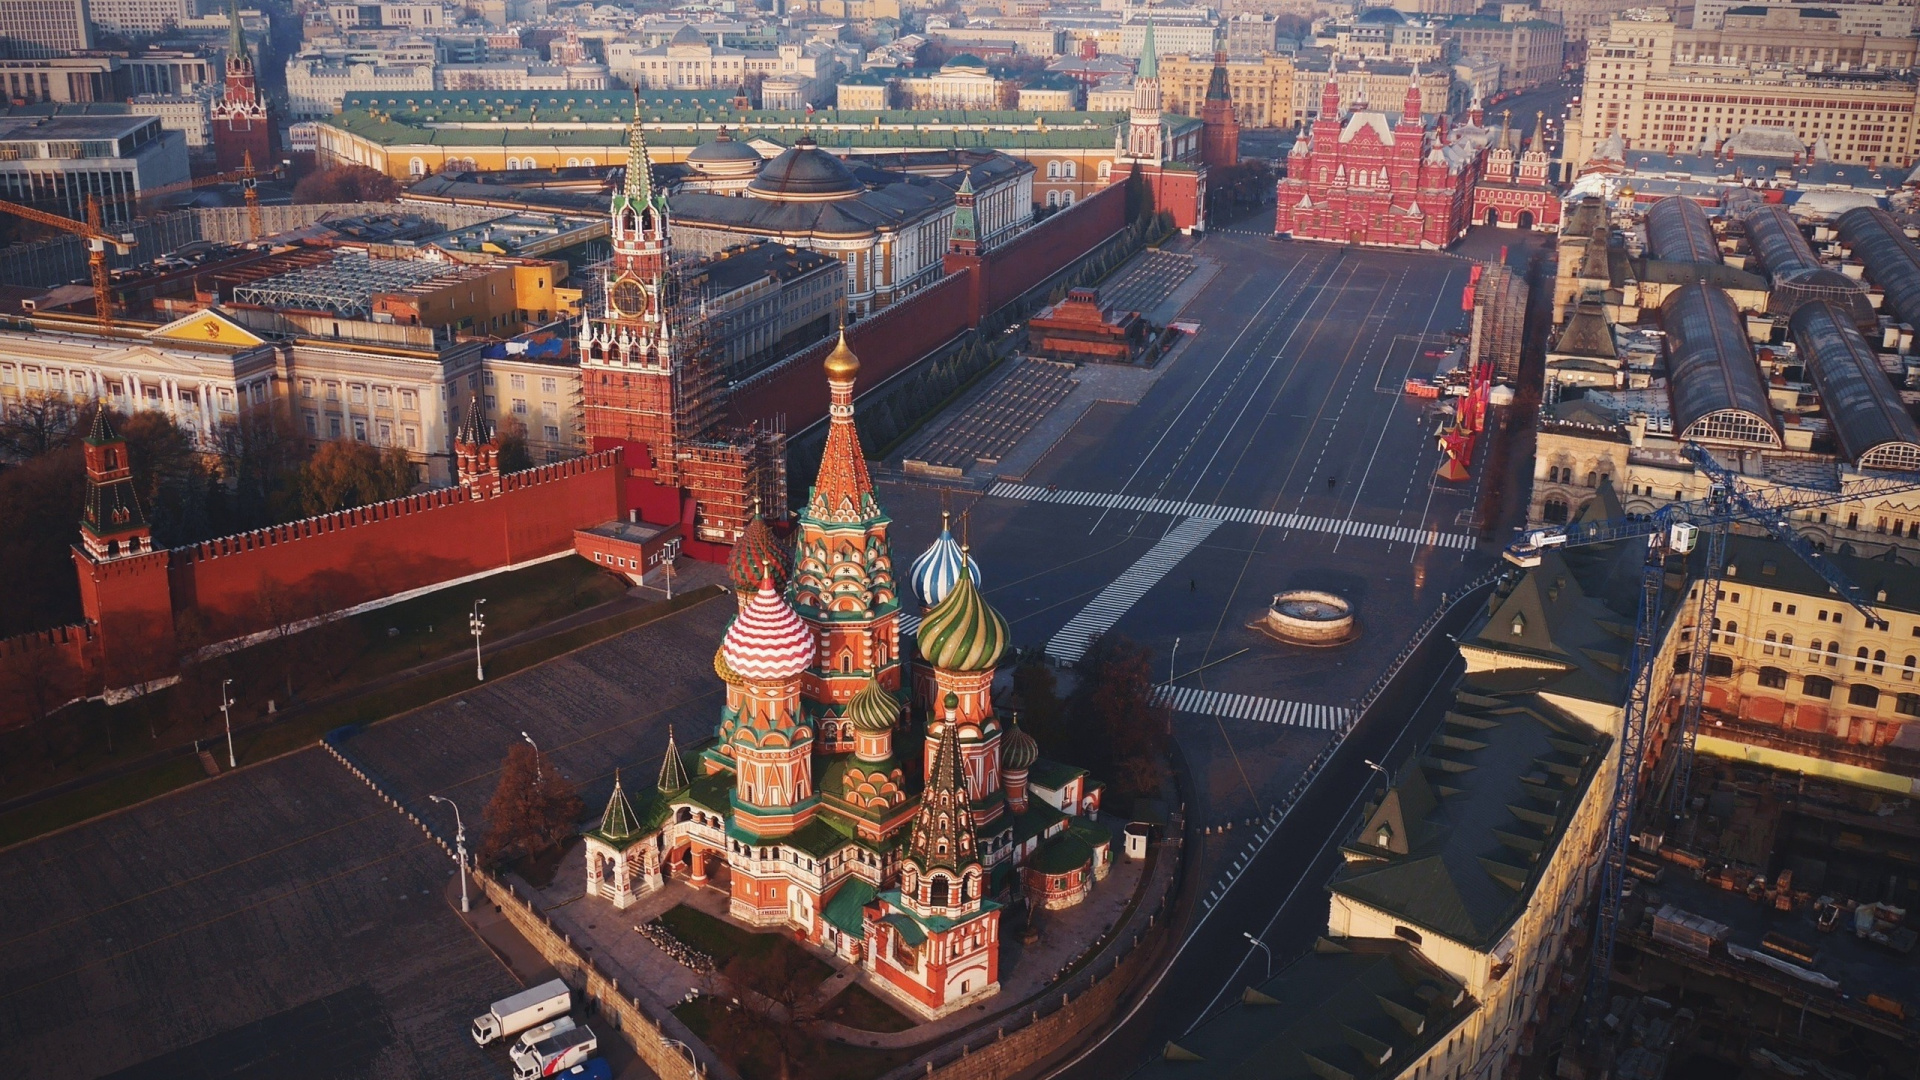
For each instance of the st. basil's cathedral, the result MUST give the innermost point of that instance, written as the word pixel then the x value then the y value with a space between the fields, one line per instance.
pixel 865 795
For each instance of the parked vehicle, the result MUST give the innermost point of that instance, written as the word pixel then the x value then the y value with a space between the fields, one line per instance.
pixel 555 1054
pixel 543 1031
pixel 591 1069
pixel 512 1015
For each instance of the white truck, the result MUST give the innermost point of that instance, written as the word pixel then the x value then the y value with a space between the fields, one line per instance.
pixel 511 1015
pixel 554 1054
pixel 543 1031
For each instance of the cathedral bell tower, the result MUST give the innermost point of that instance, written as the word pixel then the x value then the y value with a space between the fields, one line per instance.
pixel 1144 136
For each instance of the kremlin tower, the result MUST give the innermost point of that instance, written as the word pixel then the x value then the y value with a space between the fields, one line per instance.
pixel 242 131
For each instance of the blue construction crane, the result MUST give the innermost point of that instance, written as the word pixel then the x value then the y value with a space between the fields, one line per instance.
pixel 1676 529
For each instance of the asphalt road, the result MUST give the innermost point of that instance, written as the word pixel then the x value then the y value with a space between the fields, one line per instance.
pixel 1280 898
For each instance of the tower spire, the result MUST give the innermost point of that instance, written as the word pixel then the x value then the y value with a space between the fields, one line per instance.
pixel 943 827
pixel 843 490
pixel 673 775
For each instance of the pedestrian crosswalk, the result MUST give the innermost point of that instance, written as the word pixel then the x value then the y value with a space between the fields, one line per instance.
pixel 1070 644
pixel 909 624
pixel 1266 710
pixel 1209 512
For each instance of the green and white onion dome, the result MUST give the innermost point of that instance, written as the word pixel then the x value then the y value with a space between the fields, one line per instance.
pixel 963 632
pixel 938 567
pixel 873 709
pixel 1018 751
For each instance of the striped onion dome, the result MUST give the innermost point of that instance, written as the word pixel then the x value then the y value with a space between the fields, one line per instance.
pixel 757 555
pixel 873 709
pixel 1018 750
pixel 767 640
pixel 963 633
pixel 720 668
pixel 938 567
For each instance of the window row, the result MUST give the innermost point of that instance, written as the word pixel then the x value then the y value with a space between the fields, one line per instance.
pixel 1859 694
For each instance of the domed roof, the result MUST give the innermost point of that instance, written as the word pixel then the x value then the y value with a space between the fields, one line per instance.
pixel 759 556
pixel 938 567
pixel 688 34
pixel 874 708
pixel 723 150
pixel 805 173
pixel 720 668
pixel 767 640
pixel 1381 16
pixel 962 61
pixel 841 364
pixel 1018 750
pixel 964 633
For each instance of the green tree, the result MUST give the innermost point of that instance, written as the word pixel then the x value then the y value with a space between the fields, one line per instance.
pixel 1112 708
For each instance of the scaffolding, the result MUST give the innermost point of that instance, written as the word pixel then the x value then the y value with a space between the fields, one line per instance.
pixel 1499 321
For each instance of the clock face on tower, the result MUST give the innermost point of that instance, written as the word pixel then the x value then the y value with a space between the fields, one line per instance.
pixel 627 298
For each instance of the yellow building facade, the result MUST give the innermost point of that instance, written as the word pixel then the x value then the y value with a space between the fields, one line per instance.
pixel 1261 89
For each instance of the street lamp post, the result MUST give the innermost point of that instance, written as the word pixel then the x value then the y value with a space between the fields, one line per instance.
pixel 226 715
pixel 1262 946
pixel 693 1065
pixel 460 848
pixel 477 623
pixel 537 775
pixel 1376 767
pixel 1173 663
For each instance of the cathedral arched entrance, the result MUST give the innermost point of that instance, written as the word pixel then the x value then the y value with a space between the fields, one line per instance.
pixel 1493 215
pixel 1526 219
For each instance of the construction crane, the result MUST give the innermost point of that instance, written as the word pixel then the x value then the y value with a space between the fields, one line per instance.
pixel 246 176
pixel 1675 530
pixel 98 240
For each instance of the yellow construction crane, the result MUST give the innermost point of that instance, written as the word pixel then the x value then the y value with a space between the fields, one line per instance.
pixel 98 240
pixel 246 176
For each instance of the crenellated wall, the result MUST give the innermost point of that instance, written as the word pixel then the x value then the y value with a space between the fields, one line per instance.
pixel 240 585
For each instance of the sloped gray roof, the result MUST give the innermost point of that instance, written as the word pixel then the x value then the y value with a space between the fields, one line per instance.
pixel 1710 363
pixel 1859 399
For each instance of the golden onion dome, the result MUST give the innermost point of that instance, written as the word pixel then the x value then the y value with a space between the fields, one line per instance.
pixel 841 364
pixel 963 632
pixel 724 669
pixel 874 709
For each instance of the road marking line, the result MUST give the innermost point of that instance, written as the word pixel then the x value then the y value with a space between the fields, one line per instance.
pixel 1219 514
pixel 1070 644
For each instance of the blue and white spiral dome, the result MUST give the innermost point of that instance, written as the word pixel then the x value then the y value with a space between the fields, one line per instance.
pixel 938 568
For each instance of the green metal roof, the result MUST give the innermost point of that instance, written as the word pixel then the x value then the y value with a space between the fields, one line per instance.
pixel 1063 854
pixel 843 909
pixel 1356 1008
pixel 1457 846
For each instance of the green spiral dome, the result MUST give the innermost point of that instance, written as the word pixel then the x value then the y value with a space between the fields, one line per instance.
pixel 964 633
pixel 873 709
pixel 1019 751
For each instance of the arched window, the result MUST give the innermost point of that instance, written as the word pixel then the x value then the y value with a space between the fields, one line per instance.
pixel 417 167
pixel 1053 170
pixel 1106 170
pixel 937 891
pixel 1066 198
pixel 1773 678
pixel 846 661
pixel 1786 644
pixel 1067 170
pixel 1817 686
pixel 1860 659
pixel 1833 653
pixel 573 162
pixel 1880 661
pixel 1718 666
pixel 588 162
pixel 1907 704
pixel 1053 198
pixel 1906 670
pixel 1768 648
pixel 1863 695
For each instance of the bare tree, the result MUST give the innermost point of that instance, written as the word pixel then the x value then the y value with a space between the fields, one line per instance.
pixel 37 423
pixel 533 808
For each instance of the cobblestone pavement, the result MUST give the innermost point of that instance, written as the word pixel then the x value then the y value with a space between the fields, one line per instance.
pixel 988 428
pixel 279 921
pixel 604 707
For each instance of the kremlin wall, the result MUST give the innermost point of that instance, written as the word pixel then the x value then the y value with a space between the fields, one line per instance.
pixel 139 606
